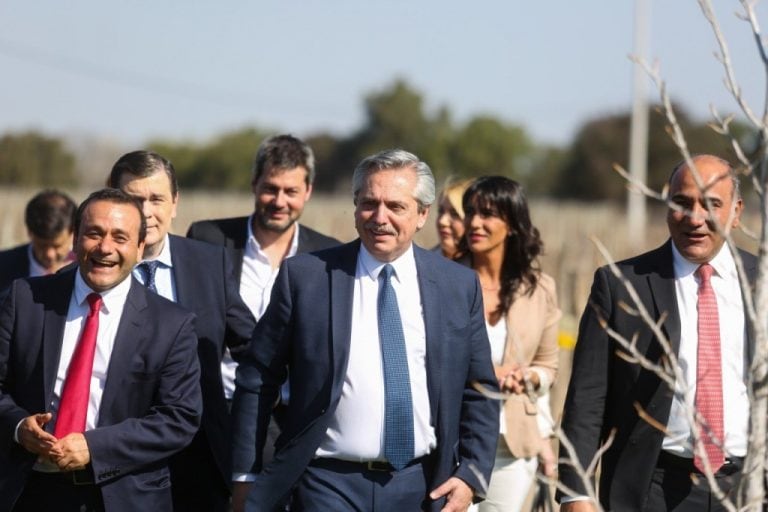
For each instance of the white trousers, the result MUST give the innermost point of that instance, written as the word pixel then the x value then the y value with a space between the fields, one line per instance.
pixel 510 482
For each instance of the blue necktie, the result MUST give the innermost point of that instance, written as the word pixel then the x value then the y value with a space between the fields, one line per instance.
pixel 149 268
pixel 398 408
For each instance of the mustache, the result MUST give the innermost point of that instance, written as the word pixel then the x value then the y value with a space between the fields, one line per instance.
pixel 380 229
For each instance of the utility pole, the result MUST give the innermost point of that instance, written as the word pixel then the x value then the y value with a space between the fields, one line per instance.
pixel 638 133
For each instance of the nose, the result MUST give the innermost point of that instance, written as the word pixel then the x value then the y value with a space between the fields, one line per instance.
pixel 443 219
pixel 280 199
pixel 106 246
pixel 51 255
pixel 147 209
pixel 698 215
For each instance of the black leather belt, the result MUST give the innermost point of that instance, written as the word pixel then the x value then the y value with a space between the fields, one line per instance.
pixel 670 460
pixel 79 477
pixel 348 466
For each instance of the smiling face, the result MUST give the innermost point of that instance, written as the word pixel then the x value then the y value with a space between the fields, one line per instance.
pixel 387 214
pixel 280 197
pixel 107 244
pixel 693 231
pixel 158 202
pixel 486 231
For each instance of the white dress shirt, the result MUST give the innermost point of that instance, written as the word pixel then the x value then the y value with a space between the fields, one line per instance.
pixel 730 308
pixel 164 282
pixel 256 280
pixel 356 431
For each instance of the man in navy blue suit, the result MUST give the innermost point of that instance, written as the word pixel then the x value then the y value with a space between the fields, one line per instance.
pixel 200 278
pixel 142 390
pixel 385 344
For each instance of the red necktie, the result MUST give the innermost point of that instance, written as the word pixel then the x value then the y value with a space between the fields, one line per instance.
pixel 709 374
pixel 73 407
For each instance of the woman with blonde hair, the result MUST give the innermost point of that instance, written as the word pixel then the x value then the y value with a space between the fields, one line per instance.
pixel 522 318
pixel 450 216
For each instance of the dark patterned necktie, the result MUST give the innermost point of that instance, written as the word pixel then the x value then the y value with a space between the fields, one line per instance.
pixel 149 268
pixel 398 407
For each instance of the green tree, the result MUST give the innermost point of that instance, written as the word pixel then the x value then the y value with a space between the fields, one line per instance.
pixel 33 159
pixel 486 145
pixel 587 172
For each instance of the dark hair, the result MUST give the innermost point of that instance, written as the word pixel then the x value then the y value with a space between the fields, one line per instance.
pixel 50 213
pixel 142 164
pixel 503 197
pixel 112 195
pixel 283 152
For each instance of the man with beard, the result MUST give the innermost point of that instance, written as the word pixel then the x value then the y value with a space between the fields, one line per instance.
pixel 283 173
pixel 200 278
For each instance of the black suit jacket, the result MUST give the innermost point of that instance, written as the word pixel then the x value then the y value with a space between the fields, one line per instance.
pixel 605 389
pixel 14 264
pixel 150 407
pixel 306 330
pixel 205 285
pixel 232 234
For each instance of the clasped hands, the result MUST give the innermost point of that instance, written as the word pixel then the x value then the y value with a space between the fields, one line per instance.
pixel 69 453
pixel 516 379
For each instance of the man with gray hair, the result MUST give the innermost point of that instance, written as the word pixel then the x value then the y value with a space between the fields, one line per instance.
pixel 390 343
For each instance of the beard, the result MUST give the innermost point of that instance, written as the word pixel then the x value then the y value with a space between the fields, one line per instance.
pixel 265 221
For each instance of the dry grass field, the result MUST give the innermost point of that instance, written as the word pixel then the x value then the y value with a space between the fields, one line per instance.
pixel 567 228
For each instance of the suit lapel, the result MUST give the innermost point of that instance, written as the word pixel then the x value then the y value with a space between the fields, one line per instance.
pixel 127 338
pixel 342 277
pixel 55 318
pixel 179 269
pixel 431 307
pixel 661 280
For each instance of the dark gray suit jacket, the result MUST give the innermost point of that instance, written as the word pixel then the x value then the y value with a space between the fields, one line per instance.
pixel 605 389
pixel 306 330
pixel 150 407
pixel 14 264
pixel 205 285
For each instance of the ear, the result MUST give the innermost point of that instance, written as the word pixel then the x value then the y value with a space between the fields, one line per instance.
pixel 738 207
pixel 175 205
pixel 422 218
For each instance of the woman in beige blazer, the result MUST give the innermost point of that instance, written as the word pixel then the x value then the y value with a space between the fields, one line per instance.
pixel 522 318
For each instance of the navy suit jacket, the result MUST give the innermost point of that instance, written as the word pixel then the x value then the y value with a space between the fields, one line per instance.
pixel 306 330
pixel 232 234
pixel 150 407
pixel 205 285
pixel 14 264
pixel 605 389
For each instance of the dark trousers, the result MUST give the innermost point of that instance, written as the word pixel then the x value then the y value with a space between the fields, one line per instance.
pixel 676 486
pixel 350 487
pixel 55 493
pixel 196 482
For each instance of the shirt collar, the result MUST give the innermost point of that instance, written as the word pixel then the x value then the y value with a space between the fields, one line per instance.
pixel 110 298
pixel 251 240
pixel 723 263
pixel 404 265
pixel 165 254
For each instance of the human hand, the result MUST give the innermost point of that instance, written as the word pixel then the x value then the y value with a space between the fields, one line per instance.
pixel 547 459
pixel 459 495
pixel 517 380
pixel 71 452
pixel 240 492
pixel 578 506
pixel 32 436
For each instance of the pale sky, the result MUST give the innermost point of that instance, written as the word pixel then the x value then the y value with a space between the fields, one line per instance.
pixel 131 70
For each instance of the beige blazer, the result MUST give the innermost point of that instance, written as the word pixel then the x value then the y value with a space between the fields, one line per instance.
pixel 532 328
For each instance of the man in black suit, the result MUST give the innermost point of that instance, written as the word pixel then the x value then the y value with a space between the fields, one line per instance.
pixel 283 173
pixel 89 421
pixel 200 278
pixel 49 218
pixel 690 287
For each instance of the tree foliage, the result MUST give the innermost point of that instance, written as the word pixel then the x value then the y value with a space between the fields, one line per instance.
pixel 587 172
pixel 33 159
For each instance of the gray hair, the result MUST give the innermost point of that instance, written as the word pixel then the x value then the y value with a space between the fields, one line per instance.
pixel 424 193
